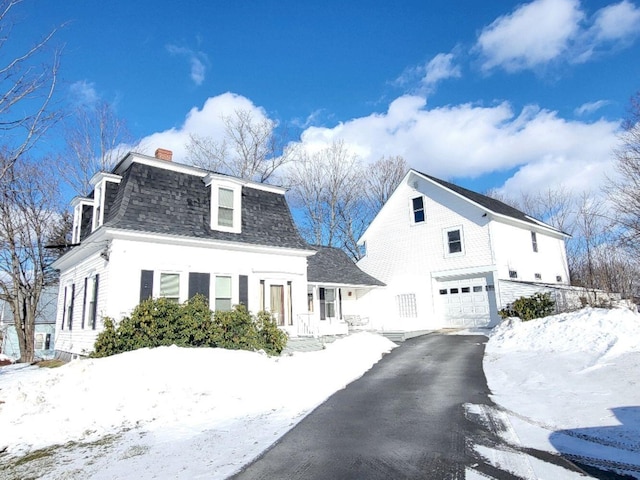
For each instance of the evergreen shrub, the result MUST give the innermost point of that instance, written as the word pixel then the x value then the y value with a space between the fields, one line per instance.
pixel 158 322
pixel 538 305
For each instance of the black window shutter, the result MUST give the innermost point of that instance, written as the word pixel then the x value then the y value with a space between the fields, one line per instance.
pixel 199 283
pixel 323 308
pixel 73 297
pixel 84 301
pixel 95 301
pixel 64 308
pixel 146 285
pixel 243 290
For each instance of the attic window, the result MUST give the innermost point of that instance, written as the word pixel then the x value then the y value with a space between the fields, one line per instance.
pixel 226 203
pixel 513 274
pixel 225 207
pixel 534 241
pixel 418 210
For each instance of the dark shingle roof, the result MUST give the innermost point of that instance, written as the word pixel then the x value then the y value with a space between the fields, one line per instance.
pixel 158 200
pixel 332 265
pixel 489 203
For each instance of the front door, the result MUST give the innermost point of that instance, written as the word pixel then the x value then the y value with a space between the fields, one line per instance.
pixel 277 303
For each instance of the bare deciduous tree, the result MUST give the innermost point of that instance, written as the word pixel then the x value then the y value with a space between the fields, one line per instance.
pixel 624 189
pixel 338 196
pixel 96 139
pixel 29 219
pixel 381 179
pixel 27 83
pixel 250 148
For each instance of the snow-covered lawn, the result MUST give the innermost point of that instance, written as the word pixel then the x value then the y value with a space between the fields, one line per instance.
pixel 166 412
pixel 570 383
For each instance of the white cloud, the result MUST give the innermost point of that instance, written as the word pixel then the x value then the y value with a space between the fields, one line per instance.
pixel 428 76
pixel 590 107
pixel 617 22
pixel 208 120
pixel 440 68
pixel 533 34
pixel 463 141
pixel 545 31
pixel 471 140
pixel 83 92
pixel 197 60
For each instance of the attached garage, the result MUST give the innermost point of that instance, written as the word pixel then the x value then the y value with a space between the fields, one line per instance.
pixel 467 301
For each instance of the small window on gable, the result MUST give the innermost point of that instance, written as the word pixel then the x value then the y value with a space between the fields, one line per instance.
pixel 558 278
pixel 418 210
pixel 538 276
pixel 513 274
pixel 453 240
pixel 534 241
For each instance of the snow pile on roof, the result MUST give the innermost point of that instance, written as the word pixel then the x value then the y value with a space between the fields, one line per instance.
pixel 176 394
pixel 570 383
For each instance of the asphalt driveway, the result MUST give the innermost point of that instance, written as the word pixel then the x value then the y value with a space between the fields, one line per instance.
pixel 403 419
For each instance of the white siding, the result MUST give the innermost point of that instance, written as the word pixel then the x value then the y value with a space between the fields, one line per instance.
pixel 80 340
pixel 514 251
pixel 120 280
pixel 403 255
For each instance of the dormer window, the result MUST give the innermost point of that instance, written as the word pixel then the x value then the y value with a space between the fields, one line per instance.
pixel 81 208
pixel 226 202
pixel 225 207
pixel 102 182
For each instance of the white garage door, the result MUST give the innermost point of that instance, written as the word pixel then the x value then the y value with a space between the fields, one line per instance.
pixel 465 302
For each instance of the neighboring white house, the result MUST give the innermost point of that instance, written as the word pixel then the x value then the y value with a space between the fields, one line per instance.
pixel 451 257
pixel 45 327
pixel 156 228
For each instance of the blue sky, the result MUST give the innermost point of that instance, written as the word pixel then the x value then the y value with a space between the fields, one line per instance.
pixel 518 96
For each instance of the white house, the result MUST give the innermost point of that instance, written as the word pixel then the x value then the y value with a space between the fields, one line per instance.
pixel 451 257
pixel 156 228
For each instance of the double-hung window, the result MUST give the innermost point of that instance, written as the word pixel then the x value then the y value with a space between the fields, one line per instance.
pixel 534 241
pixel 453 241
pixel 170 286
pixel 226 202
pixel 225 207
pixel 223 293
pixel 418 209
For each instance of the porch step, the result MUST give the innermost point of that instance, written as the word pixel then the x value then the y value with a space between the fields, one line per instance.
pixel 398 336
pixel 308 344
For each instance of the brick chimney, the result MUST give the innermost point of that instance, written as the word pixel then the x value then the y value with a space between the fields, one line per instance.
pixel 163 154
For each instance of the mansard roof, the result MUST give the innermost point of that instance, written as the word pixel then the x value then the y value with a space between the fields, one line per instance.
pixel 174 200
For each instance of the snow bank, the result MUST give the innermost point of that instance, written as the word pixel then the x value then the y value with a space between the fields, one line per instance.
pixel 570 383
pixel 176 393
pixel 591 330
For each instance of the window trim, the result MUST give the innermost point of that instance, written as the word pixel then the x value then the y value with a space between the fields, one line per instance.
pixel 216 183
pixel 447 243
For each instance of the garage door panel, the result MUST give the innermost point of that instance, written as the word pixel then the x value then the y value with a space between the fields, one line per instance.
pixel 465 302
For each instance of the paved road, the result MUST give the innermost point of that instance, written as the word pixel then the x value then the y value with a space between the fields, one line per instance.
pixel 403 419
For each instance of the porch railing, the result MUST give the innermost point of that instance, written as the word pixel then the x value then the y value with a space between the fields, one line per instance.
pixel 306 325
